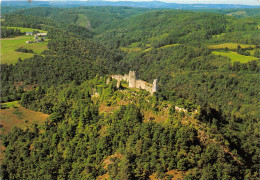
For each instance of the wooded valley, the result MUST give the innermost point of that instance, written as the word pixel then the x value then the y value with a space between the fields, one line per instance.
pixel 205 61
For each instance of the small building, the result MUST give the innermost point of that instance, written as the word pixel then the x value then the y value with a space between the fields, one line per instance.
pixel 29 33
pixel 28 42
pixel 37 40
pixel 41 34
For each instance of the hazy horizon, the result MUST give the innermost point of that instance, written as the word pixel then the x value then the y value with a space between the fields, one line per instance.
pixel 248 2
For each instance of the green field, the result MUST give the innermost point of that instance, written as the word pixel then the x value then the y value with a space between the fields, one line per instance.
pixel 170 45
pixel 134 47
pixel 14 115
pixel 22 29
pixel 237 13
pixel 166 46
pixel 9 45
pixel 235 56
pixel 83 21
pixel 146 50
pixel 13 104
pixel 252 52
pixel 229 46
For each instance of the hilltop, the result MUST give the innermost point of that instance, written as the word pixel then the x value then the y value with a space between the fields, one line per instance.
pixel 130 131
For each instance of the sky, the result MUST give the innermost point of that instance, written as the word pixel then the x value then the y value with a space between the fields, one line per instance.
pixel 246 2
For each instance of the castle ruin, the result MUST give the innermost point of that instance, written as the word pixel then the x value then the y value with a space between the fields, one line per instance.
pixel 136 83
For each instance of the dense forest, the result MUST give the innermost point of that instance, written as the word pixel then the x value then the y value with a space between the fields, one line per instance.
pixel 219 142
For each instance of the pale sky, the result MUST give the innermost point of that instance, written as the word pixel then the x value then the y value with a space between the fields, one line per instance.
pixel 245 2
pixel 248 2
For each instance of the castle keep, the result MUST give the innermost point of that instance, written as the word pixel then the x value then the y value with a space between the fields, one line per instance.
pixel 136 83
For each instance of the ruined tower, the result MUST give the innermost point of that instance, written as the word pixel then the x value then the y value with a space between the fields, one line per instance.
pixel 154 89
pixel 132 79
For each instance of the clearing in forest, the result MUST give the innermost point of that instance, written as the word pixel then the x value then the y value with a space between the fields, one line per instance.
pixel 232 46
pixel 83 21
pixel 9 45
pixel 14 115
pixel 170 45
pixel 23 29
pixel 234 56
pixel 134 47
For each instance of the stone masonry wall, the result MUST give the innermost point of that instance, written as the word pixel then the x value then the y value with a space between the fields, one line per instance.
pixel 144 85
pixel 133 83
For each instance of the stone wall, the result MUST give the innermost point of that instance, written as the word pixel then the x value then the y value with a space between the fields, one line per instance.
pixel 144 85
pixel 179 109
pixel 120 78
pixel 132 79
pixel 133 83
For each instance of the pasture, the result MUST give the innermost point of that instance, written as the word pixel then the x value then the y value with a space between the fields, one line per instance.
pixel 230 46
pixel 169 45
pixel 9 45
pixel 15 115
pixel 252 52
pixel 13 104
pixel 23 30
pixel 134 47
pixel 234 56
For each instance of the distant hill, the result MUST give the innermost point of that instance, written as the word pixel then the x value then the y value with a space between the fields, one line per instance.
pixel 241 13
pixel 149 4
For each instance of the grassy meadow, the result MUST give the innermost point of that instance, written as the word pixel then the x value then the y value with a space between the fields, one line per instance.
pixel 83 21
pixel 252 52
pixel 9 45
pixel 13 104
pixel 134 47
pixel 234 56
pixel 14 115
pixel 169 45
pixel 23 30
pixel 229 46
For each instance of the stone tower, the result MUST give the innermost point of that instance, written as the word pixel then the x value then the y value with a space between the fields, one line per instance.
pixel 132 79
pixel 154 86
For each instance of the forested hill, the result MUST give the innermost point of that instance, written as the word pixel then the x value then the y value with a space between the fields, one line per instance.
pixel 242 13
pixel 68 58
pixel 163 27
pixel 144 4
pixel 207 63
pixel 78 16
pixel 121 26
